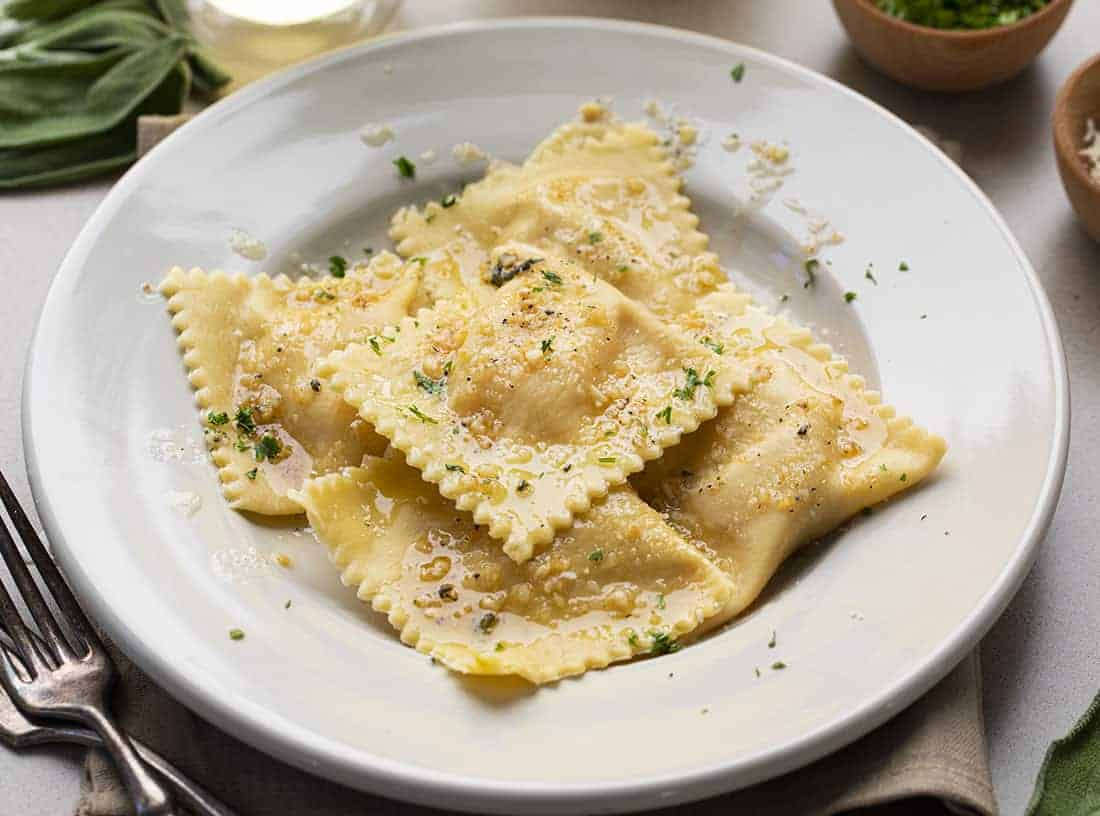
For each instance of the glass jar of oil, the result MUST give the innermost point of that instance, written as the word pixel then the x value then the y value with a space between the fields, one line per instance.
pixel 251 38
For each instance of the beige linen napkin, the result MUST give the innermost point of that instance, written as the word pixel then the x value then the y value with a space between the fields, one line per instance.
pixel 929 758
pixel 930 754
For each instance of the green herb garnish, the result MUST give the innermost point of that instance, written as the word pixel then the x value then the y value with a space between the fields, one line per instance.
pixel 903 267
pixel 416 412
pixel 665 414
pixel 596 556
pixel 252 474
pixel 771 643
pixel 811 266
pixel 552 277
pixel 455 468
pixel 449 200
pixel 405 168
pixel 607 460
pixel 717 348
pixel 268 448
pixel 246 423
pixel 660 601
pixel 236 634
pixel 779 664
pixel 737 72
pixel 547 345
pixel 849 297
pixel 337 266
pixel 693 382
pixel 663 643
pixel 428 385
pixel 595 237
pixel 220 418
pixel 375 347
pixel 870 277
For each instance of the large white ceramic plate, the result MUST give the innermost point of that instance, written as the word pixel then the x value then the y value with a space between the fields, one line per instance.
pixel 964 341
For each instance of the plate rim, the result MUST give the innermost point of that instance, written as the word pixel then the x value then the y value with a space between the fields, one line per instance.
pixel 372 773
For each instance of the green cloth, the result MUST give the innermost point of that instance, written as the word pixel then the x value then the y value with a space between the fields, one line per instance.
pixel 1069 781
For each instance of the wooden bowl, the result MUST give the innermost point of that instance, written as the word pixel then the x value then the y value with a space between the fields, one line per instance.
pixel 1078 100
pixel 935 59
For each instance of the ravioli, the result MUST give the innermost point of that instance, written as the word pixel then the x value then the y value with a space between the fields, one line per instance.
pixel 619 583
pixel 524 409
pixel 807 448
pixel 250 343
pixel 603 192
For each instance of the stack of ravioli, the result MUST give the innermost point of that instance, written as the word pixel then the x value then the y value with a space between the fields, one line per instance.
pixel 548 434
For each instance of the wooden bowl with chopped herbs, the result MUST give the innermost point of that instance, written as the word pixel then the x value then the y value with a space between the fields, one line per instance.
pixel 1076 123
pixel 951 45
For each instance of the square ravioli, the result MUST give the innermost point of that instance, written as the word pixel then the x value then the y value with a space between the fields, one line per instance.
pixel 250 344
pixel 619 583
pixel 804 450
pixel 601 191
pixel 525 408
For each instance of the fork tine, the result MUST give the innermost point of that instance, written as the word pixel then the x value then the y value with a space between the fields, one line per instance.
pixel 12 623
pixel 36 604
pixel 51 576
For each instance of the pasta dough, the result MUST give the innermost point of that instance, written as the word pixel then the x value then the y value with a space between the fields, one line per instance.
pixel 804 450
pixel 249 344
pixel 602 191
pixel 619 583
pixel 524 409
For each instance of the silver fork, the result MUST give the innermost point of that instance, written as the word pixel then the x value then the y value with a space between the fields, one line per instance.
pixel 54 675
pixel 17 732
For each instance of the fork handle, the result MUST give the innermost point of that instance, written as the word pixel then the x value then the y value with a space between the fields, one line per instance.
pixel 187 792
pixel 147 794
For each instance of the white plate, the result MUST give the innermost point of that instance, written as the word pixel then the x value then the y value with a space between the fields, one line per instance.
pixel 865 623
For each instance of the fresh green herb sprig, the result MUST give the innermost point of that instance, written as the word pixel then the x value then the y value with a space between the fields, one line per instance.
pixel 76 76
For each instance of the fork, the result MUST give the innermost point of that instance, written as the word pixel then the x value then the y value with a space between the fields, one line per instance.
pixel 17 732
pixel 54 675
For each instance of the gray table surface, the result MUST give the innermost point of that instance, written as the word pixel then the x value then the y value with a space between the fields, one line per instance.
pixel 1042 660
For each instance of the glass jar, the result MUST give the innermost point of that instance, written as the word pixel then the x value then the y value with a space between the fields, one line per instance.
pixel 251 38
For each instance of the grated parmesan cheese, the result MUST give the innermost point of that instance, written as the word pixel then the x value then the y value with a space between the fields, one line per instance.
pixel 376 135
pixel 1091 150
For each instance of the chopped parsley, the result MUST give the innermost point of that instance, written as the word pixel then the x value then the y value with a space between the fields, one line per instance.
pixel 870 276
pixel 595 237
pixel 903 267
pixel 849 297
pixel 286 605
pixel 236 634
pixel 737 72
pixel 693 382
pixel 252 474
pixel 322 295
pixel 241 445
pixel 337 266
pixel 784 298
pixel 499 646
pixel 663 643
pixel 221 418
pixel 607 460
pixel 368 250
pixel 487 622
pixel 268 448
pixel 904 477
pixel 779 664
pixel 405 168
pixel 547 345
pixel 502 273
pixel 811 266
pixel 661 601
pixel 665 414
pixel 419 259
pixel 449 200
pixel 428 385
pixel 373 342
pixel 632 639
pixel 771 643
pixel 596 556
pixel 245 422
pixel 455 468
pixel 416 412
pixel 552 277
pixel 717 348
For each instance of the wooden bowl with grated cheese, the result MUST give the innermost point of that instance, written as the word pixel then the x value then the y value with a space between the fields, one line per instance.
pixel 1077 144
